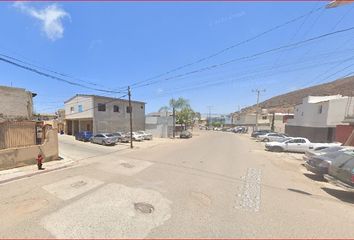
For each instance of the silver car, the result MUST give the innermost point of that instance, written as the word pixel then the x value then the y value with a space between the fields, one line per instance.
pixel 272 137
pixel 104 139
pixel 146 135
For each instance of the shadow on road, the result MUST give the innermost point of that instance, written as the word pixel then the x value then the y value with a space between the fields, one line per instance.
pixel 315 177
pixel 343 195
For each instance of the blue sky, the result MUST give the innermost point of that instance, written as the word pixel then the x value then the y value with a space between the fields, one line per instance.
pixel 114 44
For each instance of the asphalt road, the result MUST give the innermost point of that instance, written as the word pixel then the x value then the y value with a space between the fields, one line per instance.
pixel 214 185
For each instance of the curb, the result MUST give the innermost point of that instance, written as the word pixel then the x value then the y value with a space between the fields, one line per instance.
pixel 32 174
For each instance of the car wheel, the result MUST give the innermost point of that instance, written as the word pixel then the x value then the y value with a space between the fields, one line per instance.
pixel 265 140
pixel 104 143
pixel 277 149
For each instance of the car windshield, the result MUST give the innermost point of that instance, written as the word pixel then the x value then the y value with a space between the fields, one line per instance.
pixel 109 135
pixel 330 149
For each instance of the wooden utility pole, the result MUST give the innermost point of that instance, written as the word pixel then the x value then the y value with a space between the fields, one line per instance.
pixel 257 106
pixel 174 121
pixel 130 118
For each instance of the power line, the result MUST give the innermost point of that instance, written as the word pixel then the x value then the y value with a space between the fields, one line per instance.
pixel 249 57
pixel 227 48
pixel 54 77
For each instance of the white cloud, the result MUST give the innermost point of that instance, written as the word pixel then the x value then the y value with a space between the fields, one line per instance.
pixel 51 18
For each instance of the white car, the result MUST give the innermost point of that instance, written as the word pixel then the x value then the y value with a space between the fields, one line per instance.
pixel 146 135
pixel 137 137
pixel 272 137
pixel 297 144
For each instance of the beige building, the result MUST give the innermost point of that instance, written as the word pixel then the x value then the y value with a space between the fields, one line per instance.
pixel 101 114
pixel 265 120
pixel 16 103
pixel 318 116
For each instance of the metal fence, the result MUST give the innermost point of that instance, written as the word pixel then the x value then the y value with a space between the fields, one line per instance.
pixel 17 134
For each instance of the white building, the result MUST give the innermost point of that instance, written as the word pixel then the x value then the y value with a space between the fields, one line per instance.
pixel 159 124
pixel 102 114
pixel 317 117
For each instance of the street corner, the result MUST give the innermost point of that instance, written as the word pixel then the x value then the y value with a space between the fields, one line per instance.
pixel 112 211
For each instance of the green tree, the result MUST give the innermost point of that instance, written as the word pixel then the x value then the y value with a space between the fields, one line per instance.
pixel 176 105
pixel 185 116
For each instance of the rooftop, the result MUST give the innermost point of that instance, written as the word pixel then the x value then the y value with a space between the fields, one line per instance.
pixel 97 96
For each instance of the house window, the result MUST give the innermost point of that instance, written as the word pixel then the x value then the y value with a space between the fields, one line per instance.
pixel 115 108
pixel 72 109
pixel 101 107
pixel 142 107
pixel 80 108
pixel 128 109
pixel 264 117
pixel 320 109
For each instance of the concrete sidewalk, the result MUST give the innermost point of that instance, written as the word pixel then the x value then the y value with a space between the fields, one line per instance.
pixel 28 171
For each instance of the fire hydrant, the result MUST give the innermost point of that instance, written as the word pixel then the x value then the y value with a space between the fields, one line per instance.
pixel 39 161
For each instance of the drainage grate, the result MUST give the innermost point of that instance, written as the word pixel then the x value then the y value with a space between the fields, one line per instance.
pixel 127 165
pixel 143 207
pixel 78 184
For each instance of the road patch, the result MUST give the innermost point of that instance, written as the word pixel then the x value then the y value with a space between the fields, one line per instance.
pixel 113 211
pixel 72 187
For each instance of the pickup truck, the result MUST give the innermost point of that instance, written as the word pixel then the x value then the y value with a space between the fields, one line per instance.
pixel 297 144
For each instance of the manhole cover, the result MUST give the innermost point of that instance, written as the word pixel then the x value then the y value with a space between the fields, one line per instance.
pixel 144 207
pixel 78 184
pixel 127 165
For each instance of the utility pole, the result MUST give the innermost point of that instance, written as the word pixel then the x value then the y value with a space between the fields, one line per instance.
pixel 257 106
pixel 209 114
pixel 174 121
pixel 130 118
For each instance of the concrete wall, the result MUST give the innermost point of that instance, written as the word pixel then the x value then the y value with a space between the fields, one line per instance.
pixel 17 157
pixel 313 134
pixel 87 107
pixel 110 121
pixel 15 103
pixel 161 127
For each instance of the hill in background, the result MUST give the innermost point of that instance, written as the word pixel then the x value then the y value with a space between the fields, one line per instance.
pixel 286 102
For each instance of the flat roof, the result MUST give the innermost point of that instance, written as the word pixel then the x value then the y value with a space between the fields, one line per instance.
pixel 98 96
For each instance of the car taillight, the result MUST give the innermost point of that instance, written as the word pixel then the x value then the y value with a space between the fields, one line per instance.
pixel 352 177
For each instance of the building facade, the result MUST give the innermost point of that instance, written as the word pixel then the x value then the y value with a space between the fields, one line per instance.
pixel 102 114
pixel 16 103
pixel 317 117
pixel 264 121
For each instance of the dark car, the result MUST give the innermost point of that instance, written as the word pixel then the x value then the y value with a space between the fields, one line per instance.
pixel 83 136
pixel 260 132
pixel 319 152
pixel 320 164
pixel 185 134
pixel 341 172
pixel 122 137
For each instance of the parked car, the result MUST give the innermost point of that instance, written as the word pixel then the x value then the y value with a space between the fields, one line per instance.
pixel 259 132
pixel 146 135
pixel 320 152
pixel 341 172
pixel 137 137
pixel 83 136
pixel 122 137
pixel 296 145
pixel 185 134
pixel 272 137
pixel 320 164
pixel 104 139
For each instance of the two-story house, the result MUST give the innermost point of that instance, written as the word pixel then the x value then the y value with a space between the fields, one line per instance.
pixel 102 114
pixel 317 117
